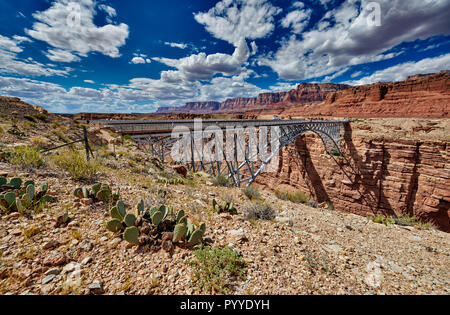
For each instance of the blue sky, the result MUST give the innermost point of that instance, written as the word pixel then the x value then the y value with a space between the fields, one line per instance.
pixel 137 55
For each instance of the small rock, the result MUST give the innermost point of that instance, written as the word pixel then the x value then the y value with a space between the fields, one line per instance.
pixel 70 267
pixel 86 261
pixel 52 271
pixel 285 220
pixel 415 238
pixel 86 245
pixel 115 241
pixel 180 169
pixel 51 244
pixel 55 260
pixel 96 287
pixel 237 234
pixel 48 279
pixel 73 224
pixel 103 239
pixel 16 232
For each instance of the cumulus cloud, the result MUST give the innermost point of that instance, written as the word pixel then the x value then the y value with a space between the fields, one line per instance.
pixel 177 45
pixel 297 19
pixel 232 20
pixel 59 55
pixel 11 63
pixel 204 67
pixel 69 26
pixel 344 37
pixel 401 71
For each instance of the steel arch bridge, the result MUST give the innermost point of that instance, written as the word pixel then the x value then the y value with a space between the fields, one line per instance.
pixel 250 147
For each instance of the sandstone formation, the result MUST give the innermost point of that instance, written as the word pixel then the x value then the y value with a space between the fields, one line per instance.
pixel 305 93
pixel 375 176
pixel 418 96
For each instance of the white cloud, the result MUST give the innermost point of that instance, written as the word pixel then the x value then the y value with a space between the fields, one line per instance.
pixel 11 63
pixel 138 60
pixel 232 20
pixel 401 71
pixel 59 55
pixel 69 26
pixel 344 38
pixel 177 45
pixel 204 67
pixel 297 20
pixel 89 81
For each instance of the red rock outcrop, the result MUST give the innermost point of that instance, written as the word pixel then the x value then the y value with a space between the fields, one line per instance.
pixel 375 176
pixel 423 96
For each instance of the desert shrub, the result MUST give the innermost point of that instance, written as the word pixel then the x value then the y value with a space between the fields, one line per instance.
pixel 220 180
pixel 251 192
pixel 26 157
pixel 128 138
pixel 39 142
pixel 30 118
pixel 41 117
pixel 383 220
pixel 408 220
pixel 259 211
pixel 297 197
pixel 214 269
pixel 74 162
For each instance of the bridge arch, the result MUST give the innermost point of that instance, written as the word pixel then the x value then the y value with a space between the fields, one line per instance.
pixel 155 136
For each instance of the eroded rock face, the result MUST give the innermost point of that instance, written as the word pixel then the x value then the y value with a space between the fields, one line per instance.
pixel 376 177
pixel 418 96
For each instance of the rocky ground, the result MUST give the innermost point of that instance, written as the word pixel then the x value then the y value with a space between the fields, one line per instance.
pixel 303 250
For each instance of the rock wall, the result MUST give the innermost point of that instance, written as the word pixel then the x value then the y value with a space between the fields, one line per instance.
pixel 375 176
pixel 417 96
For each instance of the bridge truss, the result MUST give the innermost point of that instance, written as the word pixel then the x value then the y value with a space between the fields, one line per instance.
pixel 228 147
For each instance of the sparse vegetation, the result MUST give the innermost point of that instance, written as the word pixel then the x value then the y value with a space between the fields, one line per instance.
pixel 259 211
pixel 214 269
pixel 74 162
pixel 220 180
pixel 405 220
pixel 297 197
pixel 251 192
pixel 26 157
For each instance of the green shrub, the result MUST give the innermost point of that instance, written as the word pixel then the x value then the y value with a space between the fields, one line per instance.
pixel 220 180
pixel 251 192
pixel 74 162
pixel 297 197
pixel 26 157
pixel 213 268
pixel 383 220
pixel 128 138
pixel 412 221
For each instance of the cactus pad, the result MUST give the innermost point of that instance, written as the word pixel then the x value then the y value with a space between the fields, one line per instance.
pixel 114 225
pixel 195 238
pixel 131 235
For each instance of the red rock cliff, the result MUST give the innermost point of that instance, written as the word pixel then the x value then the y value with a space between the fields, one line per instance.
pixel 376 177
pixel 417 96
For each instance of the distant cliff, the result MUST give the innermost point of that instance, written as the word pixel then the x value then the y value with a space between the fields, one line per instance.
pixel 305 93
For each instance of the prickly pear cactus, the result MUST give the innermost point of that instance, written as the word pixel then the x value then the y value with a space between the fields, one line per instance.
pixel 131 235
pixel 179 232
pixel 195 238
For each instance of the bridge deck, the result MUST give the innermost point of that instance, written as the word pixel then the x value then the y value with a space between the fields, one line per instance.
pixel 165 126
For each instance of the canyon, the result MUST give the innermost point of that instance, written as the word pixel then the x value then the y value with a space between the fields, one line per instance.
pixel 375 176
